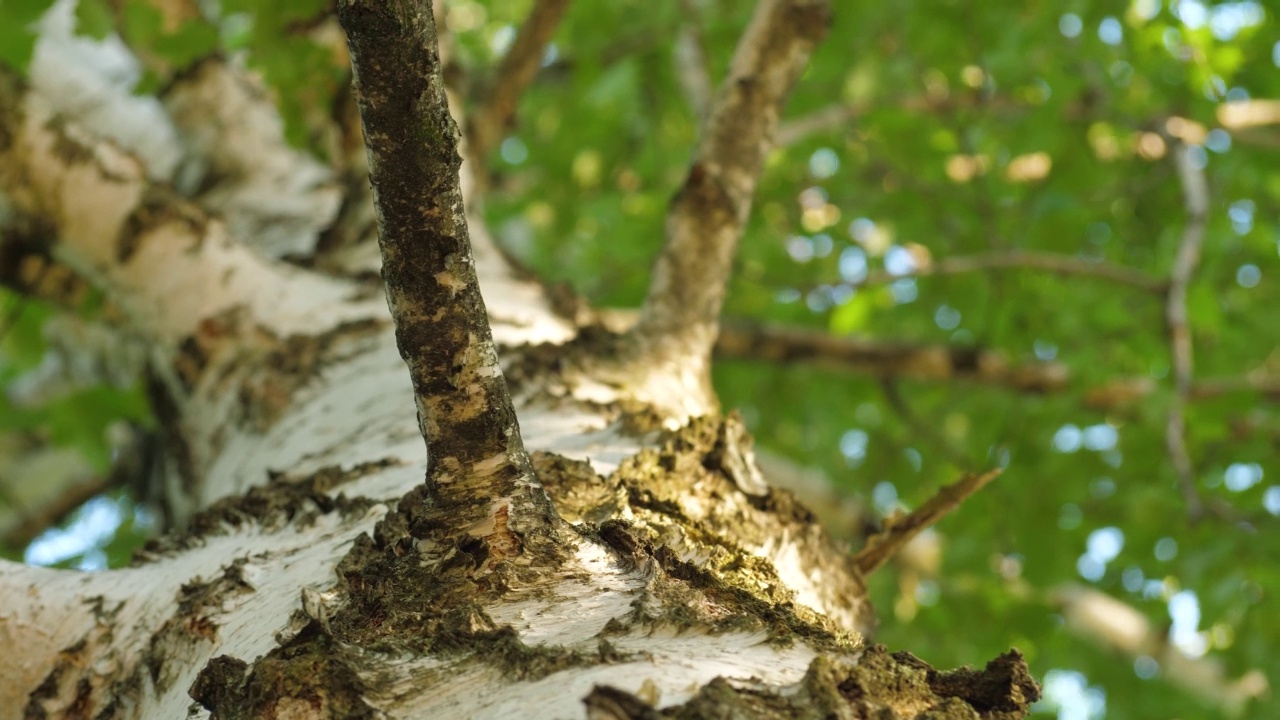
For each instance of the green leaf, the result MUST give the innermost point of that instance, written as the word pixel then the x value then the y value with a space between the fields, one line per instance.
pixel 141 23
pixel 22 344
pixel 192 41
pixel 853 315
pixel 1204 308
pixel 93 18
pixel 17 31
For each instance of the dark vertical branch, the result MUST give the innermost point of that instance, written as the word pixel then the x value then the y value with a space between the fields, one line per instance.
pixel 682 309
pixel 480 480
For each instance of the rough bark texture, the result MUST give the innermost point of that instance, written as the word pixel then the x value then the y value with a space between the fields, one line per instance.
pixel 319 579
pixel 480 482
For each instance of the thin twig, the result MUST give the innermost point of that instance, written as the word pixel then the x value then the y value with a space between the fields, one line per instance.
pixel 943 363
pixel 839 115
pixel 1055 263
pixel 691 60
pixel 1195 194
pixel 818 121
pixel 917 425
pixel 782 344
pixel 1208 388
pixel 898 531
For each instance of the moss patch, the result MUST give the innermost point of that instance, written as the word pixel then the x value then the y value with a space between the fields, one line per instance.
pixel 694 518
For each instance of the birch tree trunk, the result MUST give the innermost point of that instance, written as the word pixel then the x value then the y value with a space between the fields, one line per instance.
pixel 582 532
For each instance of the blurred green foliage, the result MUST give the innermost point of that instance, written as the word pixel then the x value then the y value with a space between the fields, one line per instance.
pixel 56 411
pixel 970 129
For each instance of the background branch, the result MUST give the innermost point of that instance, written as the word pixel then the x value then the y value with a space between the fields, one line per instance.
pixel 839 115
pixel 692 72
pixel 497 111
pixel 1119 627
pixel 706 217
pixel 828 118
pixel 898 531
pixel 780 344
pixel 942 363
pixel 920 426
pixel 1056 263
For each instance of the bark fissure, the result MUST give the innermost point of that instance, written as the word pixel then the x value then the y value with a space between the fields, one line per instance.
pixel 882 685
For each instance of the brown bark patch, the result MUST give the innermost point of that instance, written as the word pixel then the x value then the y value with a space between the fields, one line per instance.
pixel 310 676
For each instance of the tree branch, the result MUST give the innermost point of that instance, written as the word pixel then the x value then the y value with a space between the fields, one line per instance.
pixel 705 220
pixel 835 116
pixel 487 125
pixel 1254 382
pixel 920 426
pixel 885 359
pixel 819 121
pixel 480 480
pixel 240 167
pixel 942 363
pixel 1118 627
pixel 898 531
pixel 165 262
pixel 1056 263
pixel 1196 196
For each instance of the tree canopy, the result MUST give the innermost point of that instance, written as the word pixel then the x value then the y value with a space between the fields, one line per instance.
pixel 1035 236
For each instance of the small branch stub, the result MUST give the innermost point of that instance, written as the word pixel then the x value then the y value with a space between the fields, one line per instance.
pixel 480 481
pixel 898 531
